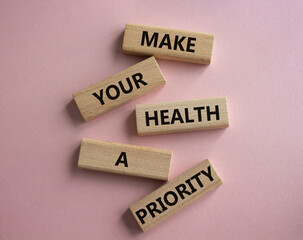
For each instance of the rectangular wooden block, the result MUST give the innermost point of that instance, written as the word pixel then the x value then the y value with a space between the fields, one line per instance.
pixel 125 159
pixel 119 89
pixel 171 44
pixel 193 115
pixel 175 195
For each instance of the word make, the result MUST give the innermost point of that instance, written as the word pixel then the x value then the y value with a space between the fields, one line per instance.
pixel 119 89
pixel 124 159
pixel 175 195
pixel 172 44
pixel 147 40
pixel 160 118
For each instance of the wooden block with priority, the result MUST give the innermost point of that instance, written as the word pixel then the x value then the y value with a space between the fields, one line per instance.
pixel 183 116
pixel 171 44
pixel 125 159
pixel 119 89
pixel 175 195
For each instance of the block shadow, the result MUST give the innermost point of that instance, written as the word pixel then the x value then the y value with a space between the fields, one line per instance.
pixel 131 223
pixel 116 48
pixel 73 112
pixel 131 126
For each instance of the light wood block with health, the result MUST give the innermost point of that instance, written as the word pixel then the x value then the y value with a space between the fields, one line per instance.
pixel 119 89
pixel 125 159
pixel 183 116
pixel 175 195
pixel 171 44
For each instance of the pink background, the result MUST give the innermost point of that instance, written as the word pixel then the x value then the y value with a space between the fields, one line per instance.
pixel 51 49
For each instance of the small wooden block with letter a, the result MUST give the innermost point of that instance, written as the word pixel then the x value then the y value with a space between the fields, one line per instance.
pixel 125 159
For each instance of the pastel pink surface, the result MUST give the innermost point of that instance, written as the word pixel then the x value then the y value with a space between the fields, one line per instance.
pixel 51 49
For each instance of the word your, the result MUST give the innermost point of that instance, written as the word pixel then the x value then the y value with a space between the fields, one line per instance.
pixel 113 91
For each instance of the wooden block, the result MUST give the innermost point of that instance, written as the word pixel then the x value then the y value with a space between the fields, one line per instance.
pixel 118 89
pixel 124 159
pixel 175 195
pixel 193 115
pixel 171 44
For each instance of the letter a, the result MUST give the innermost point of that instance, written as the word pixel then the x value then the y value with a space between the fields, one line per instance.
pixel 122 156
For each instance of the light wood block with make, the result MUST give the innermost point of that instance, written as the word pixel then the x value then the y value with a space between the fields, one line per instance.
pixel 175 195
pixel 119 89
pixel 171 44
pixel 125 159
pixel 183 116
